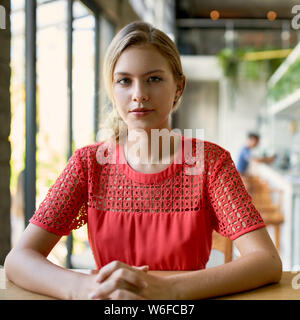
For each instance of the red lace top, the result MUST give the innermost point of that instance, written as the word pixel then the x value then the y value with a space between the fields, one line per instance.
pixel 164 219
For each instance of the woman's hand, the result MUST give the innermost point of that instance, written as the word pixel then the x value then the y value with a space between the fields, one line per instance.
pixel 119 281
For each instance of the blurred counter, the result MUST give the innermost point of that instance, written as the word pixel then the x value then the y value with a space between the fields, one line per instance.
pixel 289 183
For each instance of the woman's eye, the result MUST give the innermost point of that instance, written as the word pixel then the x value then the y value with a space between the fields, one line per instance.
pixel 155 79
pixel 123 81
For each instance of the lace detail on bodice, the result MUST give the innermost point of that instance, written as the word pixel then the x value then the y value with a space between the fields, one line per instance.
pixel 212 186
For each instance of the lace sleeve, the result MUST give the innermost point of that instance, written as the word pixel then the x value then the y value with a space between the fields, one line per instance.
pixel 65 206
pixel 233 212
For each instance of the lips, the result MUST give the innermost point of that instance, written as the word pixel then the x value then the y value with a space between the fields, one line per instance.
pixel 141 110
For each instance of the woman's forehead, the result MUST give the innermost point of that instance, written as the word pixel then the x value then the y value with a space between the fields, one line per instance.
pixel 142 59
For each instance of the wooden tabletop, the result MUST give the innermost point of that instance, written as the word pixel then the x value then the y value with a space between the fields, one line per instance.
pixel 279 291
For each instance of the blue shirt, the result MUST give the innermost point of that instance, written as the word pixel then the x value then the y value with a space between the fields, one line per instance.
pixel 243 160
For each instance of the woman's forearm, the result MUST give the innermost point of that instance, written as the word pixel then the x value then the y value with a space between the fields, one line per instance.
pixel 32 271
pixel 248 272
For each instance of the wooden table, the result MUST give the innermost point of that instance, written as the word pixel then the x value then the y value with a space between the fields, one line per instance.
pixel 280 291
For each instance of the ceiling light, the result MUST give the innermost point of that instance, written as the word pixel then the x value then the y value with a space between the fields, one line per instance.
pixel 271 15
pixel 214 15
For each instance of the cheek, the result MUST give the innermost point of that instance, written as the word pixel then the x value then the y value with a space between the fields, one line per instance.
pixel 117 92
pixel 121 97
pixel 165 97
pixel 164 92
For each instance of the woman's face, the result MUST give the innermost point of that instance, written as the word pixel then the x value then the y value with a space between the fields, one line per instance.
pixel 143 79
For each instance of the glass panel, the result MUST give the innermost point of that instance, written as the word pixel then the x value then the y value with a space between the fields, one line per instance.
pixel 83 75
pixel 51 94
pixel 263 39
pixel 83 108
pixel 52 110
pixel 17 132
pixel 107 32
pixel 201 41
pixel 195 41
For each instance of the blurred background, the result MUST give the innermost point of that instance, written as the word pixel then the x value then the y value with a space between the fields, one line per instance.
pixel 242 64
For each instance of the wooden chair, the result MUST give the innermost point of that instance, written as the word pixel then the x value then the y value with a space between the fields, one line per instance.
pixel 223 245
pixel 263 199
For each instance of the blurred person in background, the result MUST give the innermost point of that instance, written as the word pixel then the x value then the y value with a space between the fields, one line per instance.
pixel 245 157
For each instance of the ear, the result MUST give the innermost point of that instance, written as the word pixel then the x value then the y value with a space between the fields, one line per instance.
pixel 179 89
pixel 180 86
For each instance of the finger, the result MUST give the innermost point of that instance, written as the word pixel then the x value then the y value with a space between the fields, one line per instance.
pixel 129 276
pixel 109 286
pixel 121 279
pixel 142 268
pixel 108 269
pixel 122 294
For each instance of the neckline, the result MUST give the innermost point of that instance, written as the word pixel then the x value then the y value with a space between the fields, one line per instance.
pixel 143 177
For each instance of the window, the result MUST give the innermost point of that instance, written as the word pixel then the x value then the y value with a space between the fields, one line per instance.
pixel 52 93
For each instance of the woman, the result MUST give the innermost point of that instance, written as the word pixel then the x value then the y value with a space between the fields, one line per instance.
pixel 143 215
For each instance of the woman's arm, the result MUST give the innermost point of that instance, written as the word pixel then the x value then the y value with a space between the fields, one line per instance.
pixel 27 265
pixel 258 265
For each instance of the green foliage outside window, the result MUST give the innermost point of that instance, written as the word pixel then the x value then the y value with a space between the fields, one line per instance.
pixel 287 84
pixel 235 65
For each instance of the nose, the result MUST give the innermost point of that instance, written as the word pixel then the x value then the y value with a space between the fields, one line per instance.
pixel 140 93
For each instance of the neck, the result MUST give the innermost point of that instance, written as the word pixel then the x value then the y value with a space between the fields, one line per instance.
pixel 148 147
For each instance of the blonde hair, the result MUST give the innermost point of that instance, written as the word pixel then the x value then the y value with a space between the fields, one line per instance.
pixel 135 33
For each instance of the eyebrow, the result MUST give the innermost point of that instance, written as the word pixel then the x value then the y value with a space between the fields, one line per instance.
pixel 128 74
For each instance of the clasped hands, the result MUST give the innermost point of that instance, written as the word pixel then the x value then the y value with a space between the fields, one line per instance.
pixel 120 281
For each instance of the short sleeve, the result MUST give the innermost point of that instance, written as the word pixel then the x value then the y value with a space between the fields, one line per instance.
pixel 65 205
pixel 231 207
